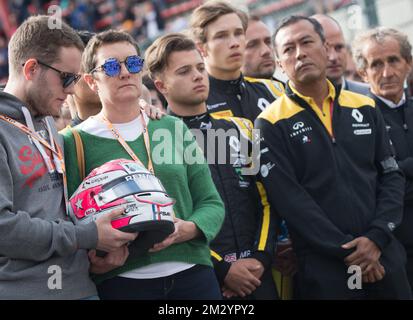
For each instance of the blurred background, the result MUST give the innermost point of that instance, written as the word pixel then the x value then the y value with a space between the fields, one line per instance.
pixel 146 20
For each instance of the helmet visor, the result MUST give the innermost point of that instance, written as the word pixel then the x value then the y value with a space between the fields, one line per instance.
pixel 125 186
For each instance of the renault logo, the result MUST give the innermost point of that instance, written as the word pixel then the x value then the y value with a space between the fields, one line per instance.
pixel 357 115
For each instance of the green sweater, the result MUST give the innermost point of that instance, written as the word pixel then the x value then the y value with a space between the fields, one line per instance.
pixel 189 183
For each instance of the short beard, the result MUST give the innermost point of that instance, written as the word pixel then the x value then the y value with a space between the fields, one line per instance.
pixel 36 100
pixel 32 102
pixel 267 75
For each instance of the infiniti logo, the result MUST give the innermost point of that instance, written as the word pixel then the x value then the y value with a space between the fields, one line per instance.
pixel 300 128
pixel 298 125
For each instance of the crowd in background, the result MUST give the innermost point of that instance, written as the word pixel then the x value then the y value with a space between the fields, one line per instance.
pixel 144 20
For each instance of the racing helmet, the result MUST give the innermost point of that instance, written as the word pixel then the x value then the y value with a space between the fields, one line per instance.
pixel 125 184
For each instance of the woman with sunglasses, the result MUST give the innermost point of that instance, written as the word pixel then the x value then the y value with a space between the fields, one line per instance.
pixel 180 266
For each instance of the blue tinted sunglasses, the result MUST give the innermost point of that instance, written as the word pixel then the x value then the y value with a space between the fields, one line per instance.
pixel 112 66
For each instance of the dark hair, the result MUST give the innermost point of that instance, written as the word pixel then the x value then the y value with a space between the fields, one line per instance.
pixel 157 55
pixel 85 36
pixel 253 17
pixel 297 18
pixel 148 82
pixel 100 39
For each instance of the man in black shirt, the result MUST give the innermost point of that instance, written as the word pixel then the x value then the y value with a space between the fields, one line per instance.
pixel 327 167
pixel 242 251
pixel 384 59
pixel 219 32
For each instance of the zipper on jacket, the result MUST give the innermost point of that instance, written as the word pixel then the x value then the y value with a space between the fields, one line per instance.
pixel 405 126
pixel 333 137
pixel 302 103
pixel 228 212
pixel 311 110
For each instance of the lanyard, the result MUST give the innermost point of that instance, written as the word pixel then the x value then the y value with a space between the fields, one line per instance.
pixel 56 151
pixel 38 145
pixel 122 141
pixel 331 111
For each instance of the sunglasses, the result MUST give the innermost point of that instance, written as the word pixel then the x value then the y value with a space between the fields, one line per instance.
pixel 67 77
pixel 112 66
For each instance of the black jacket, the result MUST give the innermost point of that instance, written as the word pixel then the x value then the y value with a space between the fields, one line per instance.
pixel 399 125
pixel 331 188
pixel 244 97
pixel 248 229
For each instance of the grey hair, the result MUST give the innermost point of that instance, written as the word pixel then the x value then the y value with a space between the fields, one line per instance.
pixel 379 35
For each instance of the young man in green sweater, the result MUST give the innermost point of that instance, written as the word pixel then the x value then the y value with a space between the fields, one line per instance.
pixel 180 266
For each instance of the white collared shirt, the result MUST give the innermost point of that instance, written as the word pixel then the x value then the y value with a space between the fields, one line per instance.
pixel 393 105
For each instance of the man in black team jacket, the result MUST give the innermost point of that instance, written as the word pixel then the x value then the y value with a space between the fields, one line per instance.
pixel 259 56
pixel 219 31
pixel 242 251
pixel 384 60
pixel 327 167
pixel 337 56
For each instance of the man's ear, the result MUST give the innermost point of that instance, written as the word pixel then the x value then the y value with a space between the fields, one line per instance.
pixel 160 85
pixel 326 47
pixel 410 64
pixel 30 69
pixel 279 65
pixel 202 49
pixel 363 74
pixel 277 60
pixel 91 82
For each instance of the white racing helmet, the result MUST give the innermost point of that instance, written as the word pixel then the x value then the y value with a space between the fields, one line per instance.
pixel 125 184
